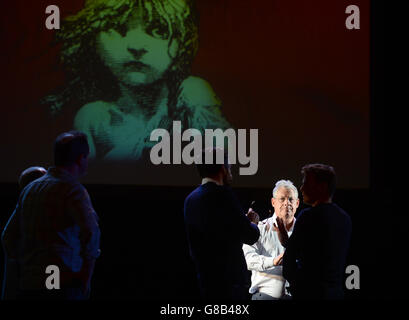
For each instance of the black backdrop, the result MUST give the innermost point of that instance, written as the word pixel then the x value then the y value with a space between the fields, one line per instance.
pixel 144 248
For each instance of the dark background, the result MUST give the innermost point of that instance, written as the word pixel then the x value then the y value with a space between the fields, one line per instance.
pixel 144 249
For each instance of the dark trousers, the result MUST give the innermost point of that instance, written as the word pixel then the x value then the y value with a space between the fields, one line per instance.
pixel 317 291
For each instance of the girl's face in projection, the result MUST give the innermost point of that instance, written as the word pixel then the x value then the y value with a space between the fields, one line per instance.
pixel 138 54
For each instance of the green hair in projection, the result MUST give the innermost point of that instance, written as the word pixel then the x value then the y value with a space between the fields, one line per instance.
pixel 128 66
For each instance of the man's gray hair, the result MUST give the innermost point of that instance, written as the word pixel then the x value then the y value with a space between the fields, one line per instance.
pixel 286 184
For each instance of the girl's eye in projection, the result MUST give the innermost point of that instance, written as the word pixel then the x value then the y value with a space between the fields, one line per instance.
pixel 159 31
pixel 122 29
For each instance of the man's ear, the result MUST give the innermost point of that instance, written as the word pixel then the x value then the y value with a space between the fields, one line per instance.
pixel 297 203
pixel 272 201
pixel 224 170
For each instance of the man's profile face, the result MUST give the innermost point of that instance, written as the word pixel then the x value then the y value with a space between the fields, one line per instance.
pixel 310 189
pixel 227 176
pixel 83 165
pixel 285 203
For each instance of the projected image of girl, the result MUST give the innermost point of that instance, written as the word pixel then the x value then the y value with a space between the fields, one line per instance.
pixel 128 63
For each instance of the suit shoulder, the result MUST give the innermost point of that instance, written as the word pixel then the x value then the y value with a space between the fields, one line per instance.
pixel 344 214
pixel 304 213
pixel 193 195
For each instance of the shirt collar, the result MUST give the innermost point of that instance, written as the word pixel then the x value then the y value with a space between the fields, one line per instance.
pixel 274 220
pixel 207 179
pixel 60 174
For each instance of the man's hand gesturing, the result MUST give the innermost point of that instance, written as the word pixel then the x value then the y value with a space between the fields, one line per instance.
pixel 279 227
pixel 278 261
pixel 253 216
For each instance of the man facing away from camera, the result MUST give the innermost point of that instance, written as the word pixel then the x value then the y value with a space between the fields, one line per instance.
pixel 216 228
pixel 315 256
pixel 54 225
pixel 10 278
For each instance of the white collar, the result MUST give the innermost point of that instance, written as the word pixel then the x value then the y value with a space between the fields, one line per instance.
pixel 273 220
pixel 207 179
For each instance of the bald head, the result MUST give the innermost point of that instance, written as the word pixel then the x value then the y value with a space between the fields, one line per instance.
pixel 29 175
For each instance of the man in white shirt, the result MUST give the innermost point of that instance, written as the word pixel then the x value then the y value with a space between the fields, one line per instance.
pixel 264 258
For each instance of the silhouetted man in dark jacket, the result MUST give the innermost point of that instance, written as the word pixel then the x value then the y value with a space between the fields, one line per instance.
pixel 217 227
pixel 315 256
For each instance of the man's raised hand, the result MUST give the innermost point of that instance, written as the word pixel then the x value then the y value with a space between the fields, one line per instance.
pixel 253 216
pixel 279 227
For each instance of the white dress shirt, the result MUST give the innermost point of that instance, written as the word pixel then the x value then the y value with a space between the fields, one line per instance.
pixel 265 277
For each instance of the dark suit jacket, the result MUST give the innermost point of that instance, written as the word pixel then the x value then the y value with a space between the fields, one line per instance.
pixel 315 257
pixel 216 228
